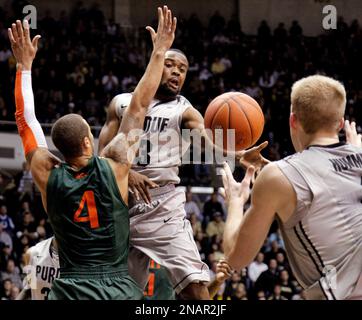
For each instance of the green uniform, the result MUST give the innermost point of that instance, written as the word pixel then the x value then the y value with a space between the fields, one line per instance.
pixel 159 286
pixel 91 224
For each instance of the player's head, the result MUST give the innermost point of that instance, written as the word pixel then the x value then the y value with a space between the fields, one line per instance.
pixel 174 74
pixel 317 108
pixel 72 136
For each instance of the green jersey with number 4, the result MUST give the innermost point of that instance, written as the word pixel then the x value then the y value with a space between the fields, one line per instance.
pixel 89 218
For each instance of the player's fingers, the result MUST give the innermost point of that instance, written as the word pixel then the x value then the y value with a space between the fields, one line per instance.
pixel 135 193
pixel 174 24
pixel 262 145
pixel 35 41
pixel 15 32
pixel 144 193
pixel 169 20
pixel 151 184
pixel 151 31
pixel 26 30
pixel 19 28
pixel 225 181
pixel 11 37
pixel 249 175
pixel 160 17
pixel 228 172
pixel 353 126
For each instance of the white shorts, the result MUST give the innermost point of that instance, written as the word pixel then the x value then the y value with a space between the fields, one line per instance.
pixel 160 231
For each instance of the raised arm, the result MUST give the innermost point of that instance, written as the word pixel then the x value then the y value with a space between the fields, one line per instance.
pixel 134 114
pixel 34 144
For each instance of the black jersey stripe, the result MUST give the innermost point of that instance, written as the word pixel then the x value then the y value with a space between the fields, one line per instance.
pixel 316 252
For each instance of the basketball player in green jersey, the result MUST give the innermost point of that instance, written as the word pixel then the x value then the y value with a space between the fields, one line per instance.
pixel 86 196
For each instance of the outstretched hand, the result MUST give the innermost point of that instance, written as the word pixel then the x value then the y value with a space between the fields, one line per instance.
pixel 351 134
pixel 253 157
pixel 24 49
pixel 234 190
pixel 163 39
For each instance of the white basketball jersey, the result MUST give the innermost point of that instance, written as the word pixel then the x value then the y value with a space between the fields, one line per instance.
pixel 45 264
pixel 323 237
pixel 161 147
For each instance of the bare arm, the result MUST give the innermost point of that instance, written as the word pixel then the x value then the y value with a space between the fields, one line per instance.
pixel 110 128
pixel 134 115
pixel 244 235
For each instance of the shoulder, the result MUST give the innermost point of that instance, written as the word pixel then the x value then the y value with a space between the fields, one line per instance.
pixel 273 188
pixel 120 102
pixel 183 101
pixel 122 98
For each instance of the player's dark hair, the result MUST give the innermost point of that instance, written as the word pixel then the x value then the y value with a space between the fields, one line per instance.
pixel 68 134
pixel 178 51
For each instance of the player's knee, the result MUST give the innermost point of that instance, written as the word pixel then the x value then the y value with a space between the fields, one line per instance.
pixel 195 291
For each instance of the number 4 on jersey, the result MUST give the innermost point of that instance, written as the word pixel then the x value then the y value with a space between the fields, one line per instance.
pixel 92 217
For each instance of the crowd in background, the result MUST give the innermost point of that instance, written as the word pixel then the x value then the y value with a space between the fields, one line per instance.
pixel 85 59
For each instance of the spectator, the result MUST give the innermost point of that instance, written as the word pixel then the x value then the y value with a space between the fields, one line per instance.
pixel 217 67
pixel 28 228
pixel 191 207
pixel 211 206
pixel 277 294
pixel 195 224
pixel 110 82
pixel 25 185
pixel 287 289
pixel 14 292
pixel 231 285
pixel 268 279
pixel 13 273
pixel 216 227
pixel 6 221
pixel 5 239
pixel 240 293
pixel 257 267
pixel 274 250
pixel 260 295
pixel 5 292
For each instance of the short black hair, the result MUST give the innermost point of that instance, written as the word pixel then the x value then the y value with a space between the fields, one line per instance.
pixel 178 51
pixel 68 133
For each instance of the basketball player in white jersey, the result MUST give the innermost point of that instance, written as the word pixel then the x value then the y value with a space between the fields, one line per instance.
pixel 159 228
pixel 42 262
pixel 315 195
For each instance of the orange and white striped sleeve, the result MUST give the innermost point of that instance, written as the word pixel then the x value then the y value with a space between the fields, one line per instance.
pixel 29 127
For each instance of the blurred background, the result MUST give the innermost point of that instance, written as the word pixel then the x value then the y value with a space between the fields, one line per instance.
pixel 90 51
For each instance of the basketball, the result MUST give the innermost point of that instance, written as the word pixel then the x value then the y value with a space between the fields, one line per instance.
pixel 238 111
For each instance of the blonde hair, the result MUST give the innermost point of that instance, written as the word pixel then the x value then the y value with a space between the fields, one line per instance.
pixel 318 102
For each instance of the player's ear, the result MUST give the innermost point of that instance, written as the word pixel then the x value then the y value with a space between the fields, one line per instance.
pixel 341 124
pixel 87 143
pixel 293 120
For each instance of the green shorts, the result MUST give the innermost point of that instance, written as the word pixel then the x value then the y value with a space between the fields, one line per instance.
pixel 95 286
